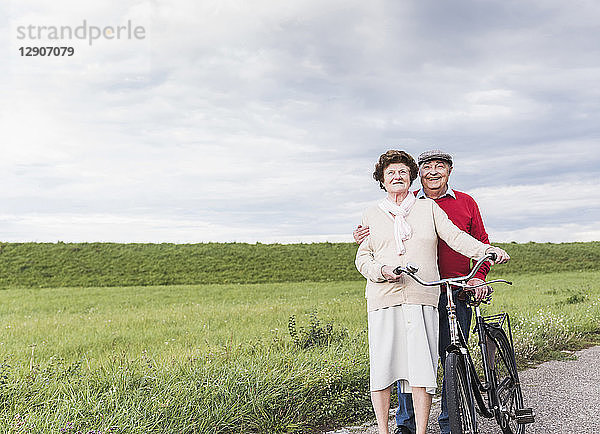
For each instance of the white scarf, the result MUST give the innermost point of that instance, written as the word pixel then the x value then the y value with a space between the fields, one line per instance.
pixel 402 230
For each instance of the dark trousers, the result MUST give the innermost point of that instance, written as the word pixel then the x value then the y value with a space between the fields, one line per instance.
pixel 405 415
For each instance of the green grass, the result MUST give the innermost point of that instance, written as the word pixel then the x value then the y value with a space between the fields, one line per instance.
pixel 551 312
pixel 110 264
pixel 169 320
pixel 219 358
pixel 220 355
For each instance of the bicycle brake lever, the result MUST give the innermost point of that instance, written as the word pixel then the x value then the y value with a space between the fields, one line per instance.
pixel 412 268
pixel 487 299
pixel 470 294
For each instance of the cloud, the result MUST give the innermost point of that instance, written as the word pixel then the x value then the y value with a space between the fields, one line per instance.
pixel 561 233
pixel 545 212
pixel 262 121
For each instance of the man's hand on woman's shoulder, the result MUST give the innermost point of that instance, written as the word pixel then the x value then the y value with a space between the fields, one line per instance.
pixel 360 233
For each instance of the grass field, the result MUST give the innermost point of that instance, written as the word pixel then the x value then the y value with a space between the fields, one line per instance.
pixel 219 358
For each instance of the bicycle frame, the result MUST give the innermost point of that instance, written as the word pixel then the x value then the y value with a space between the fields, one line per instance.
pixel 459 346
pixel 458 343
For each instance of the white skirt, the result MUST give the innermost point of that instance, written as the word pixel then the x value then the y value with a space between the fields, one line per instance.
pixel 403 345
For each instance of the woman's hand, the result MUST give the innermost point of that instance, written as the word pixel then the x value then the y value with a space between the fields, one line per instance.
pixel 501 255
pixel 388 272
pixel 360 233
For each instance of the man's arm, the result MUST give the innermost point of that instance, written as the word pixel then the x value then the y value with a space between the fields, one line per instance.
pixel 365 259
pixel 478 232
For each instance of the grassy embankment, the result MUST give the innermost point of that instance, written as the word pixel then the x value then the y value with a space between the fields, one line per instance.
pixel 109 264
pixel 219 357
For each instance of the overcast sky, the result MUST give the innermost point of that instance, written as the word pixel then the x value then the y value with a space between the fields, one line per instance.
pixel 236 120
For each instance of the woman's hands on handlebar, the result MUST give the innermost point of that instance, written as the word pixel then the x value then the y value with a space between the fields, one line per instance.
pixel 491 255
pixel 501 255
pixel 387 271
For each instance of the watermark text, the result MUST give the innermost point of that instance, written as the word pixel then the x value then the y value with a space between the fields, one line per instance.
pixel 82 32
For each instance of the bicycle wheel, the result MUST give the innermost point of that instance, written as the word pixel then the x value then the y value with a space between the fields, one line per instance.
pixel 461 409
pixel 506 380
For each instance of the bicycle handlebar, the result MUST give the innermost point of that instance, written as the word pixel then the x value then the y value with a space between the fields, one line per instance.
pixel 461 281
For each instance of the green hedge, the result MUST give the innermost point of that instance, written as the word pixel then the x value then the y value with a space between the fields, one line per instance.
pixel 112 264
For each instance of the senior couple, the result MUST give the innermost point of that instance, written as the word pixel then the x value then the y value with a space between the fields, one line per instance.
pixel 407 322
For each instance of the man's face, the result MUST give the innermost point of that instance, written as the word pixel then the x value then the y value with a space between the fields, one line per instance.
pixel 434 174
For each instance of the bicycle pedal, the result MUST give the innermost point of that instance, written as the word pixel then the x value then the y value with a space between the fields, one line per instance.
pixel 525 415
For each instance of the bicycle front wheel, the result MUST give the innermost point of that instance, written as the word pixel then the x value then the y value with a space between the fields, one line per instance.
pixel 459 398
pixel 508 388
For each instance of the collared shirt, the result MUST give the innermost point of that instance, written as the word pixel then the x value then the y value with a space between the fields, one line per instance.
pixel 449 192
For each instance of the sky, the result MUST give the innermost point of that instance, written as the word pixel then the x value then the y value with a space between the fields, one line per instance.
pixel 261 121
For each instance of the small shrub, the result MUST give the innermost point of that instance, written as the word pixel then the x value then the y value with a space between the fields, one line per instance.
pixel 315 334
pixel 575 299
pixel 542 333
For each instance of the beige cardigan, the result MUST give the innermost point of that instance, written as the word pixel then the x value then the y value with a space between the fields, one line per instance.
pixel 428 222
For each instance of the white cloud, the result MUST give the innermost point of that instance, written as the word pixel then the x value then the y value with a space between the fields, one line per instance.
pixel 552 234
pixel 531 201
pixel 552 212
pixel 144 229
pixel 261 121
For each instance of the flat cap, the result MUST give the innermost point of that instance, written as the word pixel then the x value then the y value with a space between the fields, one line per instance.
pixel 435 154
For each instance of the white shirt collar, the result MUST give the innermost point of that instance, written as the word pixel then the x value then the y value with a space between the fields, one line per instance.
pixel 449 192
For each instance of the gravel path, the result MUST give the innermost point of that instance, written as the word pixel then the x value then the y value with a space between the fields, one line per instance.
pixel 565 396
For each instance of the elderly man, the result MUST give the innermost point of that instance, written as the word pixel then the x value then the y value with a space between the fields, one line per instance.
pixel 434 171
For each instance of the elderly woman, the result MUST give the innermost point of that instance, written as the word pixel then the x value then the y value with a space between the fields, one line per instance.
pixel 402 315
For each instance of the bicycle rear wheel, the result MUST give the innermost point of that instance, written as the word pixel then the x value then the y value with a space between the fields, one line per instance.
pixel 508 388
pixel 459 398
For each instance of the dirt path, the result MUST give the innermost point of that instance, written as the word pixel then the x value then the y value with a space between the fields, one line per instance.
pixel 565 396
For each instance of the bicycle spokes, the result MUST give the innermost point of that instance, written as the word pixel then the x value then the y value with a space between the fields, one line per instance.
pixel 508 395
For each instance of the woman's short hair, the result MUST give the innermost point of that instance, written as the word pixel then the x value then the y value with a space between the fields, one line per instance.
pixel 393 156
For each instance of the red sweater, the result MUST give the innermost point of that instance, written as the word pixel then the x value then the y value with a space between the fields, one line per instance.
pixel 464 213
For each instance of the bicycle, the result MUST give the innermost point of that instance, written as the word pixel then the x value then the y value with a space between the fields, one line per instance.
pixel 464 387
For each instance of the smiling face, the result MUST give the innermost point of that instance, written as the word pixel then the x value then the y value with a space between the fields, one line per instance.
pixel 396 178
pixel 434 176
